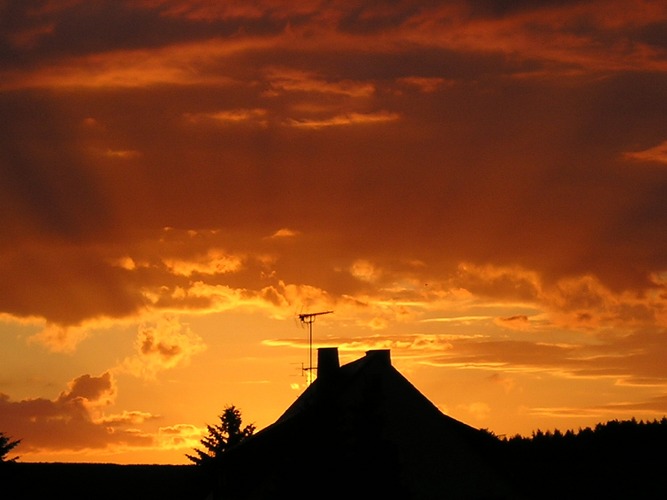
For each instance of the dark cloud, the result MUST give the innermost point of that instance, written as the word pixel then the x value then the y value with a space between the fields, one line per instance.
pixel 65 285
pixel 653 34
pixel 65 423
pixel 500 9
pixel 506 165
pixel 88 388
pixel 374 17
pixel 35 31
pixel 598 361
pixel 46 184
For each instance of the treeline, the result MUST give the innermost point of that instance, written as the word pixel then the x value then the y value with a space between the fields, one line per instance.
pixel 616 459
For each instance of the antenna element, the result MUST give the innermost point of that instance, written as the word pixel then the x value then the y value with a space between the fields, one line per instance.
pixel 309 319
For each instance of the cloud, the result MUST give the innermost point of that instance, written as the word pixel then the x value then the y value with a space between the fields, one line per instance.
pixel 92 391
pixel 255 116
pixel 122 154
pixel 457 319
pixel 344 120
pixel 553 35
pixel 216 261
pixel 518 322
pixel 77 421
pixel 576 34
pixel 71 421
pixel 418 345
pixel 180 436
pixel 163 345
pixel 632 360
pixel 656 154
pixel 127 418
pixel 292 80
pixel 60 338
pixel 586 303
pixel 364 270
pixel 478 411
pixel 67 286
pixel 626 410
pixel 425 84
pixel 132 69
pixel 508 384
pixel 285 233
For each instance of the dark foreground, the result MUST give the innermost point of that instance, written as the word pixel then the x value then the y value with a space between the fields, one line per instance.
pixel 28 481
pixel 574 477
pixel 618 460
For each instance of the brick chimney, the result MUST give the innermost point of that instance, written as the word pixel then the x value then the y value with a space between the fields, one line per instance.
pixel 327 362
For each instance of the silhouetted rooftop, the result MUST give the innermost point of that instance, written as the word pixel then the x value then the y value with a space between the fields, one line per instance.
pixel 362 430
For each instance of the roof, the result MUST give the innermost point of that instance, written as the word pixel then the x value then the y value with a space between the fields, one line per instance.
pixel 363 430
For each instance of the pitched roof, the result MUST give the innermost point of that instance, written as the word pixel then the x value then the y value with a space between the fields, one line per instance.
pixel 363 429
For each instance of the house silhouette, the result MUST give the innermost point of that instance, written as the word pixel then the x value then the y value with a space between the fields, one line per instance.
pixel 362 430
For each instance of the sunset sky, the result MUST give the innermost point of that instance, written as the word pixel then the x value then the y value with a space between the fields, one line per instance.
pixel 479 186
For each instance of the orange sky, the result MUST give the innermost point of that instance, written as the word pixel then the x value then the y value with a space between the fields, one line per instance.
pixel 479 187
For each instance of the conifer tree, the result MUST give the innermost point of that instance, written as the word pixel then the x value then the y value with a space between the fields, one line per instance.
pixel 7 445
pixel 221 437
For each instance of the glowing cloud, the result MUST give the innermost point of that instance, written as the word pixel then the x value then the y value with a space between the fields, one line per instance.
pixel 291 80
pixel 90 391
pixel 518 322
pixel 255 116
pixel 345 120
pixel 364 270
pixel 69 422
pixel 122 154
pixel 656 154
pixel 285 233
pixel 215 261
pixel 425 84
pixel 60 338
pixel 162 346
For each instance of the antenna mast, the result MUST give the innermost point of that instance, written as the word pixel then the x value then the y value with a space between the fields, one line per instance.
pixel 309 319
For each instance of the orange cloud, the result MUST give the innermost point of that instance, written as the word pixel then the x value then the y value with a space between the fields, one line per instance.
pixel 123 154
pixel 162 346
pixel 364 270
pixel 127 418
pixel 255 116
pixel 548 35
pixel 285 233
pixel 656 154
pixel 66 423
pixel 344 120
pixel 292 80
pixel 76 421
pixel 425 84
pixel 60 338
pixel 478 411
pixel 90 392
pixel 216 261
pixel 518 322
pixel 177 65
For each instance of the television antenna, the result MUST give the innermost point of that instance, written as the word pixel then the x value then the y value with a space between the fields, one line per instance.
pixel 309 319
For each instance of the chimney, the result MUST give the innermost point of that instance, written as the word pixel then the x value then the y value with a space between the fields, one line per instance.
pixel 327 362
pixel 381 356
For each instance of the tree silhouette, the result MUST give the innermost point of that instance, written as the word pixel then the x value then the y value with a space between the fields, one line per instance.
pixel 7 445
pixel 616 459
pixel 221 437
